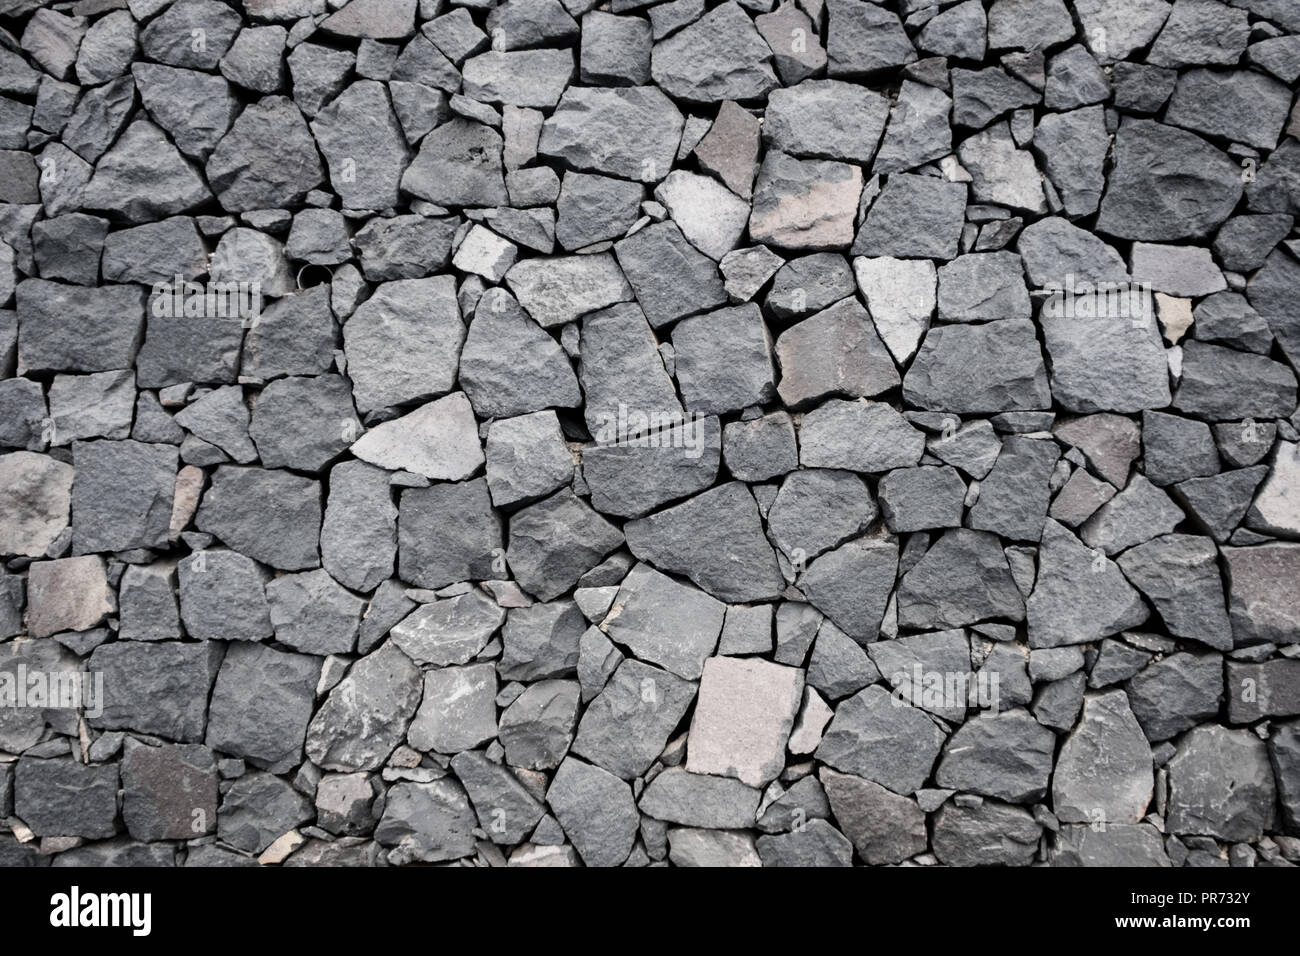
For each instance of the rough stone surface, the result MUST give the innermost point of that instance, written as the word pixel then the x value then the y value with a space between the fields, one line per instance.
pixel 685 433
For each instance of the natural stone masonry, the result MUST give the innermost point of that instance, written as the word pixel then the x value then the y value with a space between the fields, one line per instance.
pixel 650 432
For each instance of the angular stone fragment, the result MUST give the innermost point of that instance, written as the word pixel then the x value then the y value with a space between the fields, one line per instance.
pixel 526 458
pixel 427 822
pixel 1116 846
pixel 437 440
pixel 67 594
pixel 633 475
pixel 505 809
pixel 591 208
pixel 1001 173
pixel 1201 31
pixel 459 164
pixel 1073 147
pixel 538 727
pixel 724 360
pixel 630 132
pixel 901 297
pixel 913 217
pixel 858 436
pixel 1221 785
pixel 557 291
pixel 884 827
pixel 1138 513
pixel 628 723
pixel 825 119
pixel 261 705
pixel 1014 496
pixel 221 418
pixel 35 501
pixel 170 792
pixel 710 216
pixel 416 319
pixel 509 366
pixel 761 448
pixel 918 130
pixel 147 603
pixel 914 499
pixel 1167 183
pixel 1220 384
pixel 1106 362
pixel 74 329
pixel 734 563
pixel 818 509
pixel 993 367
pixel 1263 586
pixel 1268 689
pixel 1180 575
pixel 62 797
pixel 700 800
pixel 365 717
pixel 1007 757
pixel 1114 28
pixel 990 834
pixel 835 352
pixel 804 204
pixel 364 146
pixel 743 719
pixel 458 711
pixel 664 622
pixel 448 533
pixel 267 159
pixel 541 641
pixel 223 597
pixel 984 285
pixel 313 613
pixel 596 810
pixel 1080 594
pixel 874 736
pixel 671 278
pixel 809 284
pixel 851 585
pixel 962 579
pixel 529 78
pixel 1176 693
pixel 863 39
pixel 729 150
pixel 304 423
pixel 1105 764
pixel 450 631
pixel 271 516
pixel 615 50
pixel 358 539
pixel 719 57
pixel 555 541
pixel 159 688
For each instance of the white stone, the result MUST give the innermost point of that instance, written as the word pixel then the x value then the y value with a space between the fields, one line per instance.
pixel 900 296
pixel 438 440
pixel 1175 315
pixel 35 499
pixel 813 718
pixel 1277 505
pixel 486 254
pixel 710 216
pixel 743 719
